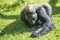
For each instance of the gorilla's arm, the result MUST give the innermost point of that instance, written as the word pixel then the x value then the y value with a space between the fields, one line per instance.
pixel 47 23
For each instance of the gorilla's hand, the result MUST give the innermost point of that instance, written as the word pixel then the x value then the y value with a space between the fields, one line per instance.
pixel 43 30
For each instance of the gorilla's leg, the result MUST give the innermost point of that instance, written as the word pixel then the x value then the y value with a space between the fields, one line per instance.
pixel 48 9
pixel 47 23
pixel 42 30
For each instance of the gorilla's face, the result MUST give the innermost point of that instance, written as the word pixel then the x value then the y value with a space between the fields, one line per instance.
pixel 31 17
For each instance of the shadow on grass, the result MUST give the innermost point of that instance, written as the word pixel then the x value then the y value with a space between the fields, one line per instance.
pixel 8 17
pixel 16 27
pixel 56 10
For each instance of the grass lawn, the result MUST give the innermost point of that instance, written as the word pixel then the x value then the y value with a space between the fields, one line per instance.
pixel 11 27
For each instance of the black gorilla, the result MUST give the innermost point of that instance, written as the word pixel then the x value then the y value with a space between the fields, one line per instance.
pixel 39 16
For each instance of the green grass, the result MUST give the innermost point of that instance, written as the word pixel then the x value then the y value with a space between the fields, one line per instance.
pixel 11 27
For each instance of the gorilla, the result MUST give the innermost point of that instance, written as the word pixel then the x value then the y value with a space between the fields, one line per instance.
pixel 38 16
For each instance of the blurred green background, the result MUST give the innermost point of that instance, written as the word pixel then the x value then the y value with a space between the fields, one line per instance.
pixel 11 27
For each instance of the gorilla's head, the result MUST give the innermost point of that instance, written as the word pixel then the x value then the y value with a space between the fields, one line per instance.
pixel 30 15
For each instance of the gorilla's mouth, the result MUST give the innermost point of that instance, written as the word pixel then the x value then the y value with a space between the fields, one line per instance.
pixel 32 22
